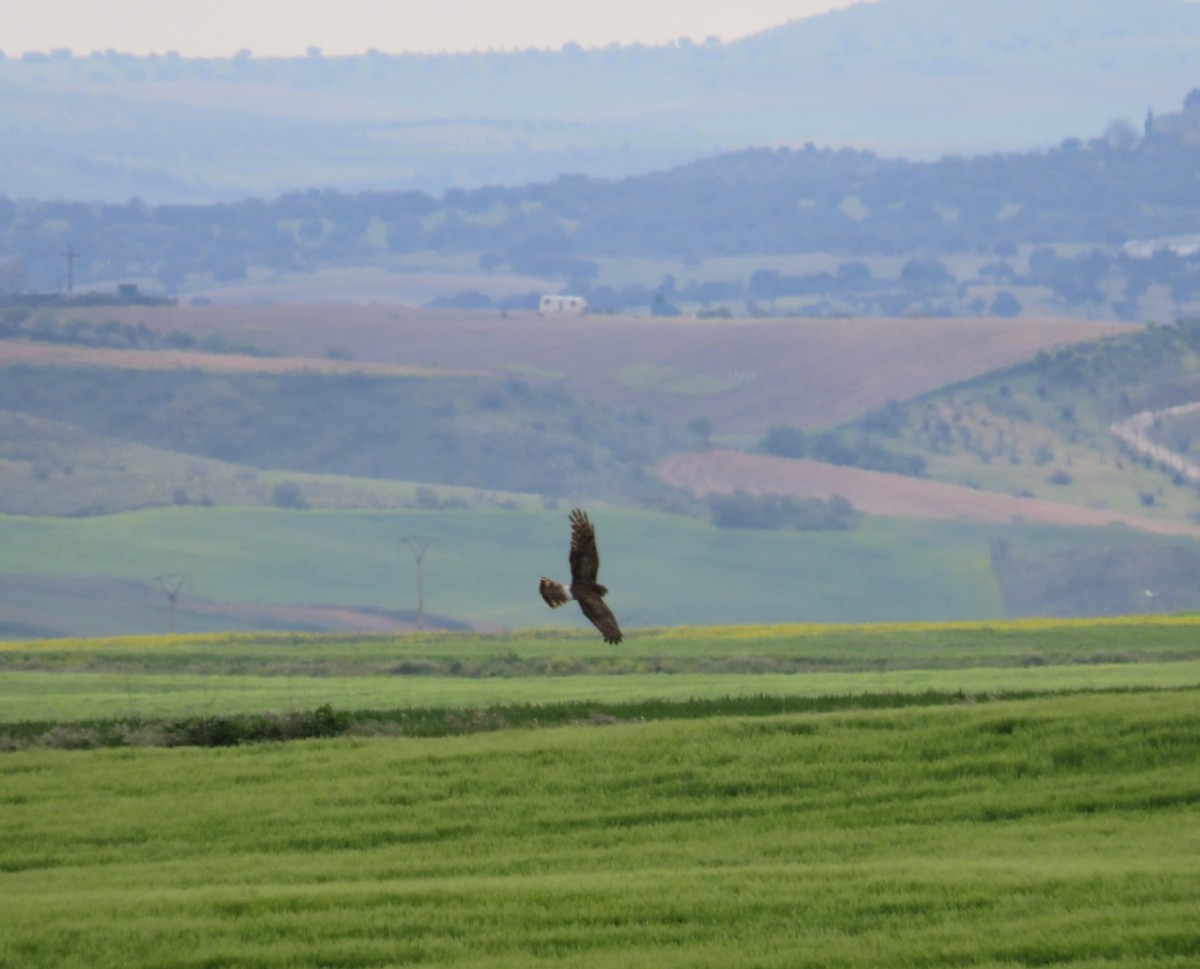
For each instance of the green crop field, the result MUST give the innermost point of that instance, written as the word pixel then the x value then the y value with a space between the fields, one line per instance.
pixel 48 696
pixel 1045 832
pixel 197 675
pixel 991 794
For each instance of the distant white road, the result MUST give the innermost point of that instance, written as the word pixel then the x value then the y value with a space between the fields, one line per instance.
pixel 1134 432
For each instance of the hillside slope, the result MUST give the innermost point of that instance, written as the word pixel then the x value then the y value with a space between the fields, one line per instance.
pixel 743 375
pixel 962 543
pixel 1046 428
pixel 340 402
pixel 880 493
pixel 474 432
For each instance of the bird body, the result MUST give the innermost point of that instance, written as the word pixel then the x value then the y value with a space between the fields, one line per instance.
pixel 584 589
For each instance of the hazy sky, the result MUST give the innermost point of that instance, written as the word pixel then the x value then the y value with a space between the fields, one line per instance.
pixel 219 28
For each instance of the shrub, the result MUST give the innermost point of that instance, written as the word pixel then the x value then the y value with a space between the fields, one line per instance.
pixel 287 494
pixel 65 737
pixel 784 441
pixel 775 512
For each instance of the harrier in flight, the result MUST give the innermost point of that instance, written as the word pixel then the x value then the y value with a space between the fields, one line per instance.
pixel 585 565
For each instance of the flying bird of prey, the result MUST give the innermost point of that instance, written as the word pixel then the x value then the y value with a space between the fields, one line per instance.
pixel 584 589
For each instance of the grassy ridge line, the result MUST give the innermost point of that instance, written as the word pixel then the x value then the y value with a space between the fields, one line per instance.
pixel 757 649
pixel 52 468
pixel 74 697
pixel 552 638
pixel 1053 831
pixel 735 631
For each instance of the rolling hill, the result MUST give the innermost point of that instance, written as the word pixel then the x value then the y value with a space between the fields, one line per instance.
pixel 741 374
pixel 1046 428
pixel 281 482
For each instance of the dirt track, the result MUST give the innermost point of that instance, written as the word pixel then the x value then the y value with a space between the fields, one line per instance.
pixel 1134 431
pixel 877 493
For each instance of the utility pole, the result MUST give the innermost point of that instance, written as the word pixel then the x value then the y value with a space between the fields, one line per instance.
pixel 70 255
pixel 419 545
pixel 171 585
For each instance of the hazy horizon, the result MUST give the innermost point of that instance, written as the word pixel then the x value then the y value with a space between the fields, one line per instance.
pixel 279 28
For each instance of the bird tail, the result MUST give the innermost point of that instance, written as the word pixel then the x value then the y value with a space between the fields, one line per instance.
pixel 553 592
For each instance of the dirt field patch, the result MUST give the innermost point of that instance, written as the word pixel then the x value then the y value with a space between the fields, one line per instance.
pixel 805 372
pixel 877 493
pixel 14 352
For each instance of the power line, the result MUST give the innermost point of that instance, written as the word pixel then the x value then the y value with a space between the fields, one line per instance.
pixel 419 545
pixel 70 255
pixel 171 586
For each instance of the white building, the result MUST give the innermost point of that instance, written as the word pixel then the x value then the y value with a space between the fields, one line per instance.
pixel 1180 245
pixel 569 305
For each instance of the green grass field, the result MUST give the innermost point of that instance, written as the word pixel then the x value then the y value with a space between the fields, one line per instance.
pixel 1010 824
pixel 1046 832
pixel 162 676
pixel 663 569
pixel 486 562
pixel 49 696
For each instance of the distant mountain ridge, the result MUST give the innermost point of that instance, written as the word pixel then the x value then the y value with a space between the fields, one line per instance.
pixel 914 78
pixel 982 26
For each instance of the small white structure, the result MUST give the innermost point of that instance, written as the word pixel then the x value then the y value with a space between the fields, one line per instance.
pixel 1145 249
pixel 569 305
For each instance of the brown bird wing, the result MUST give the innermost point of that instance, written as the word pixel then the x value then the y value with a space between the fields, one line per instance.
pixel 553 592
pixel 584 559
pixel 601 616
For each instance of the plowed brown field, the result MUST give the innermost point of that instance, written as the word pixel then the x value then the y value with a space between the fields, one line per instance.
pixel 877 493
pixel 755 373
pixel 58 355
